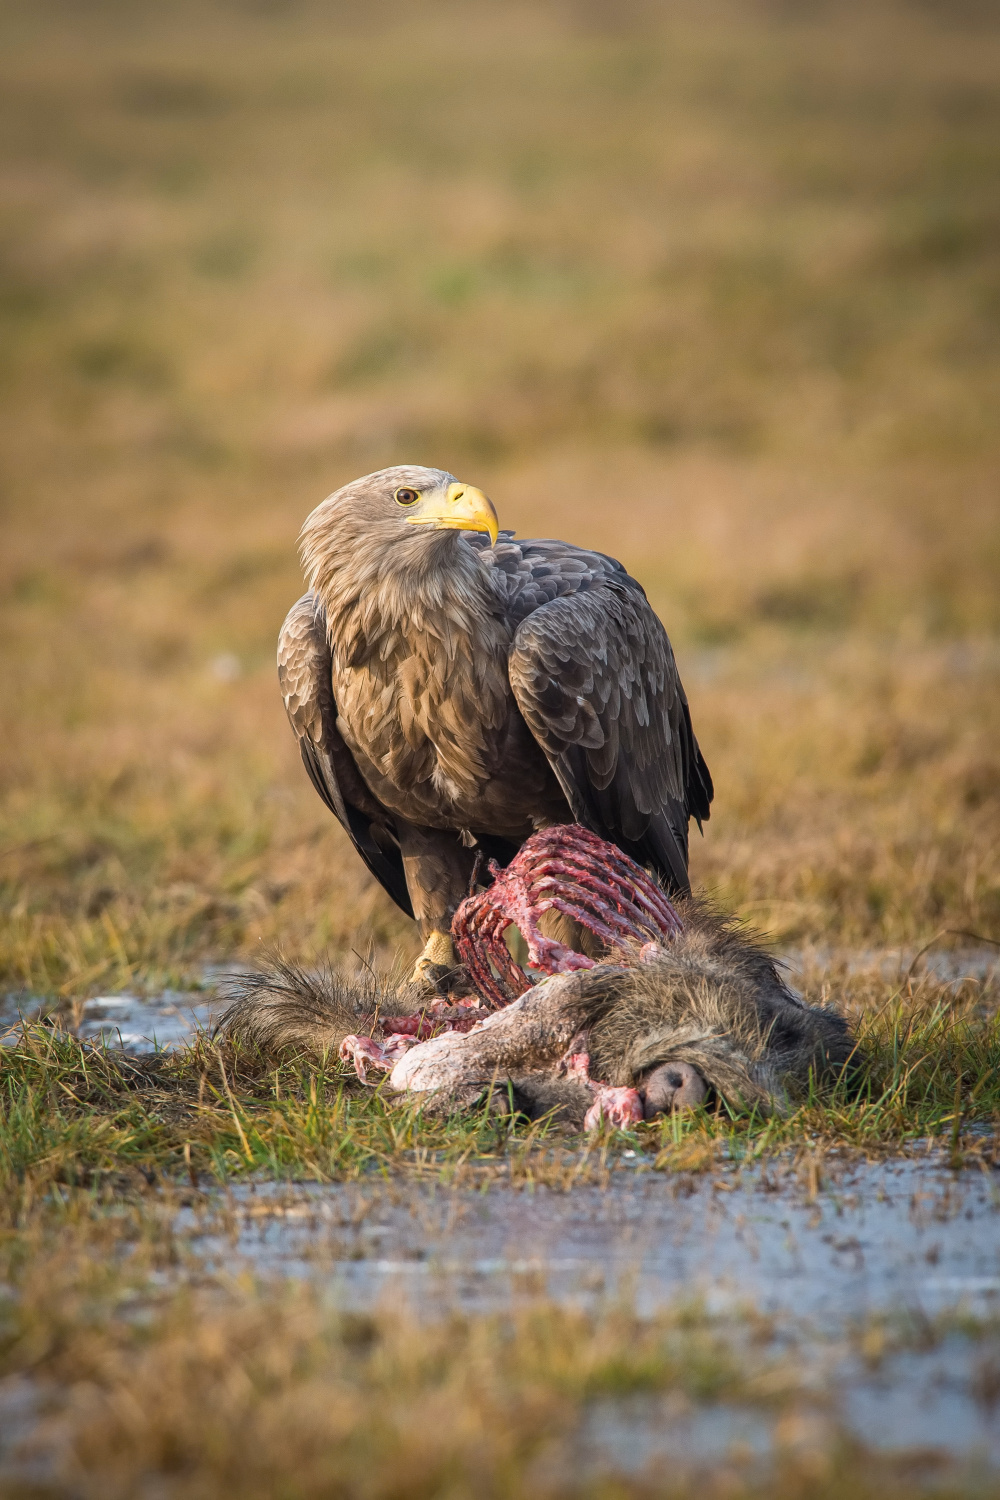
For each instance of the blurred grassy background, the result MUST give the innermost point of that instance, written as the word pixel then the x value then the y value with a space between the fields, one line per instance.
pixel 714 286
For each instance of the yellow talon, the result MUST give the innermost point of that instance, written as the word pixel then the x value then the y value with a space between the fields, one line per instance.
pixel 438 953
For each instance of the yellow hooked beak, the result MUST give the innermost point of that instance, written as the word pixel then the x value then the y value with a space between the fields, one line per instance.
pixel 459 508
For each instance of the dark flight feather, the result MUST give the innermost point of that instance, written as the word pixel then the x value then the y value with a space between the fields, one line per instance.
pixel 596 681
pixel 304 677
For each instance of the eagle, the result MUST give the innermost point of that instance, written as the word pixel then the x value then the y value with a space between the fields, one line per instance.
pixel 454 689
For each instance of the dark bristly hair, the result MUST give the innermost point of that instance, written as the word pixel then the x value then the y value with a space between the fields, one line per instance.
pixel 715 998
pixel 712 997
pixel 283 1007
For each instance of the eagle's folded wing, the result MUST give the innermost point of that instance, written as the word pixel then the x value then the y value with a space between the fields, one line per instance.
pixel 595 679
pixel 304 675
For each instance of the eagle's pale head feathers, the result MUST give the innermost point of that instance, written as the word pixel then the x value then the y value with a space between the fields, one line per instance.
pixel 382 543
pixel 384 509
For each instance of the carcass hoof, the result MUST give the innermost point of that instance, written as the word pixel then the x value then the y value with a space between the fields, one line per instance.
pixel 620 1107
pixel 671 1086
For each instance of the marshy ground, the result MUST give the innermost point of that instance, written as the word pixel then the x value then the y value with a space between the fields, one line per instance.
pixel 241 1278
pixel 712 287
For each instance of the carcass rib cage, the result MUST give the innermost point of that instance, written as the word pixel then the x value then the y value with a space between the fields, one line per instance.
pixel 567 869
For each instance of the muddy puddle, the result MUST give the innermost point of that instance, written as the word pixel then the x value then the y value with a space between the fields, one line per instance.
pixel 882 1280
pixel 137 1023
pixel 908 1237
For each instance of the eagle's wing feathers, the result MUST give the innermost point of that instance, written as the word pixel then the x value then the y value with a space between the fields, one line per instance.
pixel 595 679
pixel 307 690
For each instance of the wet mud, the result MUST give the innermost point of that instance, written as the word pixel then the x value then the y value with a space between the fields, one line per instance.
pixel 882 1281
pixel 879 1281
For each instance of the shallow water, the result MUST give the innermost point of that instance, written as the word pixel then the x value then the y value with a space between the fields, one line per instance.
pixel 951 967
pixel 907 1234
pixel 160 1024
pixel 138 1024
pixel 908 1247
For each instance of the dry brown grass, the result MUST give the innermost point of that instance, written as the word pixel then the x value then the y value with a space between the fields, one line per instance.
pixel 713 287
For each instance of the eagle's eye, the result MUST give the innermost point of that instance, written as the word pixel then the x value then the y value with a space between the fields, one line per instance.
pixel 407 497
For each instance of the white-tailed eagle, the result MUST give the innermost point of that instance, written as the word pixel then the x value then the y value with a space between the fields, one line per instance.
pixel 454 689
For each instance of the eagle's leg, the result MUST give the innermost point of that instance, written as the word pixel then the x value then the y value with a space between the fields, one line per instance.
pixel 438 870
pixel 437 960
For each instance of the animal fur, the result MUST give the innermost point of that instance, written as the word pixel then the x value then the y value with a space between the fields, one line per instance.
pixel 715 999
pixel 284 1008
pixel 712 998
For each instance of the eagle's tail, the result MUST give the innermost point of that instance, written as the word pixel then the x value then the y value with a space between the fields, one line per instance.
pixel 283 1008
pixel 664 846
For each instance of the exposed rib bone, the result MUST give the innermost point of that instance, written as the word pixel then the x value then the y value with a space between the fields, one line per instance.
pixel 567 869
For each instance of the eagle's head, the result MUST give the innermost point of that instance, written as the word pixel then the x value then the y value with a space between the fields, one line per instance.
pixel 391 509
pixel 385 547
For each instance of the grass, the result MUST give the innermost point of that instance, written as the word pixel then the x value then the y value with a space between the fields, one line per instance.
pixel 141 1358
pixel 134 1357
pixel 351 1405
pixel 711 286
pixel 714 288
pixel 82 1117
